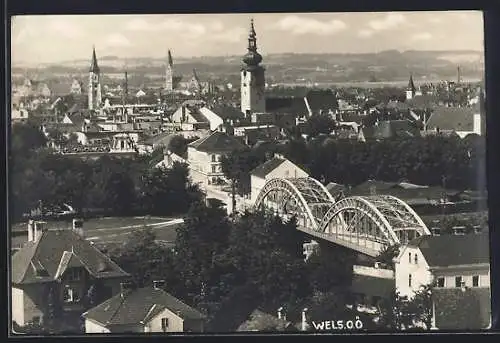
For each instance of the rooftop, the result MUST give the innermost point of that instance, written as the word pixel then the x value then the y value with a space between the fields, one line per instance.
pixel 453 250
pixel 51 250
pixel 265 168
pixel 451 118
pixel 217 142
pixel 139 306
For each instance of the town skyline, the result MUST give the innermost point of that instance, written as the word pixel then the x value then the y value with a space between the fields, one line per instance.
pixel 197 35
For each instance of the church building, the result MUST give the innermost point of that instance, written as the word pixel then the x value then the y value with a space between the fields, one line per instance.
pixel 252 78
pixel 94 89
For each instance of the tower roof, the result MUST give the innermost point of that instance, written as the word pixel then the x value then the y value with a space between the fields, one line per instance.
pixel 170 60
pixel 411 84
pixel 252 57
pixel 94 67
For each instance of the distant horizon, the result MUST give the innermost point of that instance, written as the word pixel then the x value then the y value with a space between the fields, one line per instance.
pixel 57 38
pixel 237 56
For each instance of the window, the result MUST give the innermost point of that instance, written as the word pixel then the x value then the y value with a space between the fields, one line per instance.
pixel 36 320
pixel 416 259
pixel 409 257
pixel 475 281
pixel 458 281
pixel 440 282
pixel 164 324
pixel 73 274
pixel 214 158
pixel 409 280
pixel 70 295
pixel 214 169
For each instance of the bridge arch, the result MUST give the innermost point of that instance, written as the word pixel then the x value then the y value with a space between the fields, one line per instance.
pixel 363 223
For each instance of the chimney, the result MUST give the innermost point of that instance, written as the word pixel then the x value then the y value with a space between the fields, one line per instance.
pixel 78 226
pixel 304 325
pixel 158 284
pixel 280 312
pixel 35 230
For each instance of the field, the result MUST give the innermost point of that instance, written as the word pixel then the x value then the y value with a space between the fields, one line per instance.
pixel 109 230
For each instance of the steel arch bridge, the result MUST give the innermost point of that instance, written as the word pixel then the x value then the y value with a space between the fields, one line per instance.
pixel 366 224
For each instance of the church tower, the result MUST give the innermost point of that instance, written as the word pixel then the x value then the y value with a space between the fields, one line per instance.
pixel 94 91
pixel 411 90
pixel 252 78
pixel 169 73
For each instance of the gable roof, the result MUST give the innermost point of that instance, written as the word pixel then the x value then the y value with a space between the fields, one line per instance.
pixel 321 99
pixel 228 112
pixel 139 306
pixel 451 118
pixel 262 321
pixel 265 168
pixel 51 251
pixel 217 142
pixel 452 250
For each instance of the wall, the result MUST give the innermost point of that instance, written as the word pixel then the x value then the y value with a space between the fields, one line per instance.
pixel 17 297
pixel 467 273
pixel 257 184
pixel 250 99
pixel 93 327
pixel 201 163
pixel 82 138
pixel 175 323
pixel 33 298
pixel 420 274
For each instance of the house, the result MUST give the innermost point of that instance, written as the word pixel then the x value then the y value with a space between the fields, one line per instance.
pixel 259 320
pixel 459 120
pixel 370 286
pixel 458 266
pixel 161 140
pixel 189 117
pixel 18 114
pixel 205 155
pixel 148 309
pixel 62 263
pixel 276 167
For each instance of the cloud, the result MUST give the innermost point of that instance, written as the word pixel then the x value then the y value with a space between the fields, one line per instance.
pixel 390 21
pixel 66 28
pixel 234 35
pixel 117 40
pixel 365 33
pixel 421 36
pixel 300 25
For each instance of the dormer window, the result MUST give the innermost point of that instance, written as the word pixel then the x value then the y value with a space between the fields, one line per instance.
pixel 74 274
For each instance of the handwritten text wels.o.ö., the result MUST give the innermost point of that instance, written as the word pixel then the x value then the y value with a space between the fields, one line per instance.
pixel 355 324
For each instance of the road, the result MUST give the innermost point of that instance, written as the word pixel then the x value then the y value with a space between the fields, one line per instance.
pixel 112 230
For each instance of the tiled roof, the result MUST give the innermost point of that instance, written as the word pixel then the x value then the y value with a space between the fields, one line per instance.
pixel 138 306
pixel 217 142
pixel 48 252
pixel 451 118
pixel 372 286
pixel 423 101
pixel 267 167
pixel 450 250
pixel 262 321
pixel 391 128
pixel 292 105
pixel 228 112
pixel 321 99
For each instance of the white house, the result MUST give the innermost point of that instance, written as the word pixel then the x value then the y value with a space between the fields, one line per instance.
pixel 148 309
pixel 19 115
pixel 205 155
pixel 169 159
pixel 457 264
pixel 277 167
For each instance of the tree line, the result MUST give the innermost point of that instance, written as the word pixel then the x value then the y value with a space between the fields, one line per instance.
pixel 113 185
pixel 445 161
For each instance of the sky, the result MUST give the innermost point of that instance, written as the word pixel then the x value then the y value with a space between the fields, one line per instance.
pixel 56 38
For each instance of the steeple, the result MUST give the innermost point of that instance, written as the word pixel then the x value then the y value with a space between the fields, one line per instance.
pixel 411 84
pixel 170 61
pixel 94 68
pixel 252 57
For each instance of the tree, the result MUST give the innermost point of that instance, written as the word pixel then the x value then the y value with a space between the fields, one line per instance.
pixel 420 306
pixel 387 255
pixel 394 314
pixel 25 139
pixel 319 124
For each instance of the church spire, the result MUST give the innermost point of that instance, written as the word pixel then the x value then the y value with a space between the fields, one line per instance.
pixel 411 84
pixel 94 68
pixel 252 57
pixel 170 60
